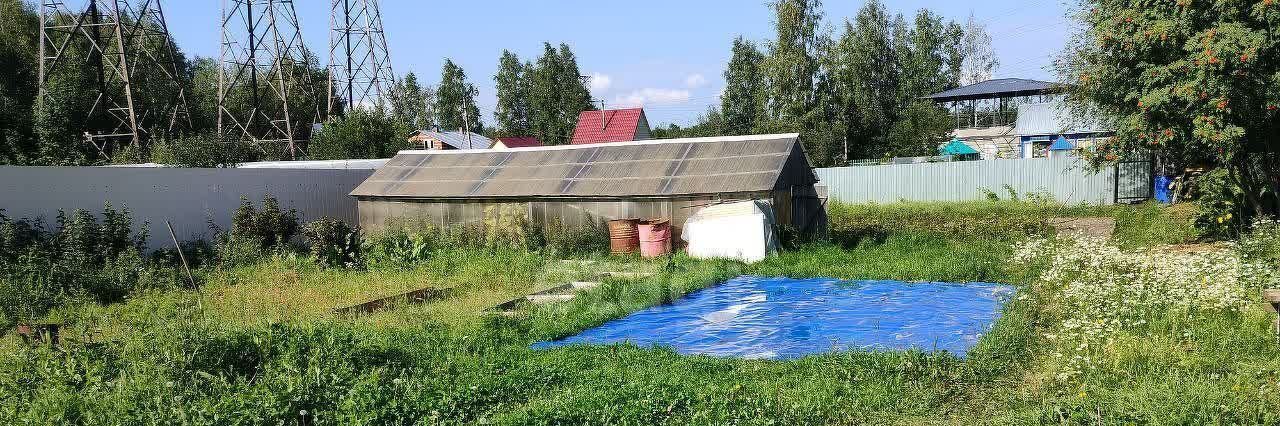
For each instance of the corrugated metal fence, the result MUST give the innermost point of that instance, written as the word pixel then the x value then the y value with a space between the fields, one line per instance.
pixel 1068 180
pixel 191 199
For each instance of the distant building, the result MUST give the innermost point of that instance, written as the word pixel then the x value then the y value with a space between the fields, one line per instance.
pixel 435 140
pixel 516 142
pixel 612 125
pixel 1046 129
pixel 985 113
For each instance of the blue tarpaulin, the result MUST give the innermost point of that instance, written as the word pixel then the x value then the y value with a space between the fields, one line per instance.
pixel 756 317
pixel 958 148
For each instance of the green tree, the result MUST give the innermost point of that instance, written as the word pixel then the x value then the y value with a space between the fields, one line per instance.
pixel 456 100
pixel 18 28
pixel 512 86
pixel 741 103
pixel 977 61
pixel 411 103
pixel 362 133
pixel 867 77
pixel 557 95
pixel 1195 83
pixel 791 68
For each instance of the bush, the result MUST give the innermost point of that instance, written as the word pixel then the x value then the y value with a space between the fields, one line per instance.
pixel 1222 215
pixel 203 150
pixel 85 258
pixel 333 242
pixel 270 227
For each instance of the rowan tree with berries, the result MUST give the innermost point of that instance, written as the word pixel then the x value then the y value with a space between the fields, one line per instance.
pixel 1196 82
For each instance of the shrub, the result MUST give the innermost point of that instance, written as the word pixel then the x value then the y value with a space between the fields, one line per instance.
pixel 1220 201
pixel 85 258
pixel 333 242
pixel 203 150
pixel 270 227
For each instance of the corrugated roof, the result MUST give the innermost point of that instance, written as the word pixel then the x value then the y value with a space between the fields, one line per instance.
pixel 519 142
pixel 619 126
pixel 1053 118
pixel 1002 87
pixel 628 169
pixel 459 140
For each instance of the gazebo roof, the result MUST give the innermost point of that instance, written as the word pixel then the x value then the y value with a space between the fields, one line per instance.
pixel 995 89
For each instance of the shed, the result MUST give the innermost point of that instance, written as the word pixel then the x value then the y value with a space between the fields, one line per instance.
pixel 578 185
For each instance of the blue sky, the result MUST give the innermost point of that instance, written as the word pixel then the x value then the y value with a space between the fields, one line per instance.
pixel 666 54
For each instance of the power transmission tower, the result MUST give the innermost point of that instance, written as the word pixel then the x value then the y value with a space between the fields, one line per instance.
pixel 115 43
pixel 265 77
pixel 359 64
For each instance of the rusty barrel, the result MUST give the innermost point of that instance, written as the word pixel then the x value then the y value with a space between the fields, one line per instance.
pixel 623 236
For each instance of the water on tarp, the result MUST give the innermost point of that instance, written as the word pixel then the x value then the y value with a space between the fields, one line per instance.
pixel 781 318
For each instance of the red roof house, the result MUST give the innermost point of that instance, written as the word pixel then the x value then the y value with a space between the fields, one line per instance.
pixel 613 125
pixel 516 142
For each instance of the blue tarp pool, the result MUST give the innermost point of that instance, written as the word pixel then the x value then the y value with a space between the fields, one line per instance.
pixel 781 318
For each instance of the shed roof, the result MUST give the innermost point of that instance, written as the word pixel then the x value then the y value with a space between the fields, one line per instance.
pixel 998 88
pixel 458 140
pixel 619 125
pixel 656 168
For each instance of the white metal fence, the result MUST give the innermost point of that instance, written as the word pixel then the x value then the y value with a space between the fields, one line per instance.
pixel 1068 180
pixel 192 199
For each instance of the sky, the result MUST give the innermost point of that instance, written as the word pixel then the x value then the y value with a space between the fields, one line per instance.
pixel 665 55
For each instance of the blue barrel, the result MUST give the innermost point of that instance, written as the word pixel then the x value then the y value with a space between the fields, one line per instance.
pixel 1162 191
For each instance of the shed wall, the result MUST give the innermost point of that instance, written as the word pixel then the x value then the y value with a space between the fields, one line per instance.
pixel 376 214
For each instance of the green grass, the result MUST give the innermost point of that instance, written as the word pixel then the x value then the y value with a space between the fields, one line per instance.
pixel 258 344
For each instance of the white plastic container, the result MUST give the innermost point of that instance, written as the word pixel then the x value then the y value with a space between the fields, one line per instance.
pixel 741 230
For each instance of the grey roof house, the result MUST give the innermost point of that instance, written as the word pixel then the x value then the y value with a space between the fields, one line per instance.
pixel 436 140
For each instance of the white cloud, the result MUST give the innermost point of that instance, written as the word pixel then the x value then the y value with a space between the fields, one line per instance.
pixel 694 81
pixel 649 96
pixel 600 82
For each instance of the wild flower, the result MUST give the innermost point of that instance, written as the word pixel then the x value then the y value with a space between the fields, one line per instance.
pixel 1103 290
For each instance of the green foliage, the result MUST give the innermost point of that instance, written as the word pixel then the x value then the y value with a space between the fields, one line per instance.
pixel 1222 206
pixel 1191 82
pixel 18 85
pixel 333 242
pixel 556 94
pixel 512 85
pixel 203 150
pixel 412 103
pixel 456 100
pixel 742 102
pixel 361 133
pixel 269 226
pixel 87 257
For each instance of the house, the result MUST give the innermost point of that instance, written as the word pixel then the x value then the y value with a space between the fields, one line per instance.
pixel 613 125
pixel 437 140
pixel 985 112
pixel 516 142
pixel 580 185
pixel 1046 129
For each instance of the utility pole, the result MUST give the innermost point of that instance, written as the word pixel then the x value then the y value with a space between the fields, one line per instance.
pixel 360 72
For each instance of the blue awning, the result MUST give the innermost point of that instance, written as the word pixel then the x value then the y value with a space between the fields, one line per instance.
pixel 1062 144
pixel 956 147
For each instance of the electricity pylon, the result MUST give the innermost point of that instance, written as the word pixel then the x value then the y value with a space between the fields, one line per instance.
pixel 359 64
pixel 115 43
pixel 266 94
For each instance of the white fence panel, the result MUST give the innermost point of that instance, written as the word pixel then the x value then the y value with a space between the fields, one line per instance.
pixel 1068 180
pixel 191 199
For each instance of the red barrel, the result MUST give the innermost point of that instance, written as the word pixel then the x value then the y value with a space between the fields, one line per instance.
pixel 655 237
pixel 623 237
